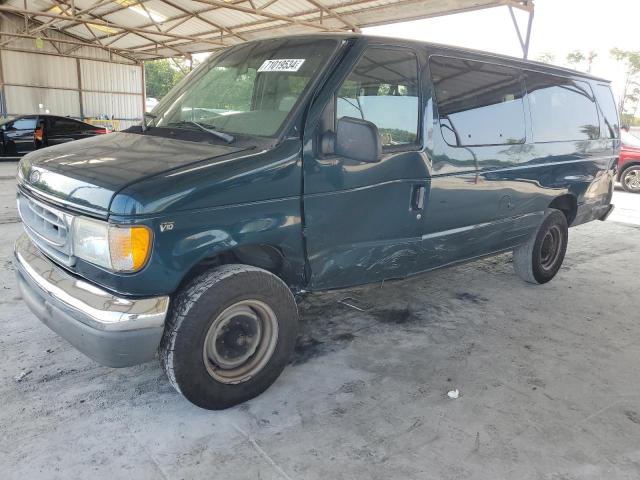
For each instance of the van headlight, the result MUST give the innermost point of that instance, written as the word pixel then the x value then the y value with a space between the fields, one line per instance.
pixel 122 248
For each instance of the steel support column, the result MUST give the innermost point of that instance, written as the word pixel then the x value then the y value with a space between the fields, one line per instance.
pixel 524 42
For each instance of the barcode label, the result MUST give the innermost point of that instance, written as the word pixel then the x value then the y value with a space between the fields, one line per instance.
pixel 282 65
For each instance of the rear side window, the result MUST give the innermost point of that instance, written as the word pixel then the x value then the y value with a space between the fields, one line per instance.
pixel 609 110
pixel 383 89
pixel 561 109
pixel 65 125
pixel 478 103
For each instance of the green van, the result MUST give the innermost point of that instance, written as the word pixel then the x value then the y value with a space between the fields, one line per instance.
pixel 295 165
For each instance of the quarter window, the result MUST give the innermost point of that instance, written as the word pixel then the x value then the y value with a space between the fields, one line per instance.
pixel 383 89
pixel 609 110
pixel 561 109
pixel 478 103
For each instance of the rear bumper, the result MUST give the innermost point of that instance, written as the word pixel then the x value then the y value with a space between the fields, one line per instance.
pixel 114 331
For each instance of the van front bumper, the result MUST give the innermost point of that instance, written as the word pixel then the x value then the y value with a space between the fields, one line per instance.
pixel 114 331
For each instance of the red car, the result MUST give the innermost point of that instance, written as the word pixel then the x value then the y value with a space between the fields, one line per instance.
pixel 629 163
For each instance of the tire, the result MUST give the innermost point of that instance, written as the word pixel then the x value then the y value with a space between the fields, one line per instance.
pixel 630 179
pixel 228 336
pixel 539 259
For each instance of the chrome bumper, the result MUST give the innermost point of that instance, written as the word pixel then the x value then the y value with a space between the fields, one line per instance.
pixel 114 331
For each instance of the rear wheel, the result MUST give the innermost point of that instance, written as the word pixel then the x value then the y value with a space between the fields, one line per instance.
pixel 539 259
pixel 229 335
pixel 630 179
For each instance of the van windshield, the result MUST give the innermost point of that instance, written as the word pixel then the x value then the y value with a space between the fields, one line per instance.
pixel 248 90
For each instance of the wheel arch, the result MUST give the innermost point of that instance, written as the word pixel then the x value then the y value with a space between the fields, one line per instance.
pixel 626 166
pixel 265 256
pixel 567 204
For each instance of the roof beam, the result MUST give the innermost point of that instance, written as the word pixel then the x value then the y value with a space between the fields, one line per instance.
pixel 160 34
pixel 201 18
pixel 100 17
pixel 324 8
pixel 118 51
pixel 233 31
pixel 526 5
pixel 50 23
pixel 119 8
pixel 263 13
pixel 27 13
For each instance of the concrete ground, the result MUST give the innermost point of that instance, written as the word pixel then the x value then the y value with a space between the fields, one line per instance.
pixel 548 381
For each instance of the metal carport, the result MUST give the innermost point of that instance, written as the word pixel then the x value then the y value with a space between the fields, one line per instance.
pixel 83 58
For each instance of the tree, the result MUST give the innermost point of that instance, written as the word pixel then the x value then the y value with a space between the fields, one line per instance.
pixel 591 56
pixel 546 57
pixel 162 75
pixel 630 60
pixel 575 57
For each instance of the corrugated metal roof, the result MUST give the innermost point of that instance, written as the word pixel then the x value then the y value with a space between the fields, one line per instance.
pixel 144 29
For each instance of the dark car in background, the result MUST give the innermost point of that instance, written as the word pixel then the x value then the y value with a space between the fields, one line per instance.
pixel 629 163
pixel 26 133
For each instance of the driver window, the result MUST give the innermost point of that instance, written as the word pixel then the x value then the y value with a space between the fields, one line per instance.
pixel 26 123
pixel 383 89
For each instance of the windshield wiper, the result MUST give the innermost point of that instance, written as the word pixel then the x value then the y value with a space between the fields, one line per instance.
pixel 221 135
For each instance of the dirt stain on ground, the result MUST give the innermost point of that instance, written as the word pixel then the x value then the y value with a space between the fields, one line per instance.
pixel 470 297
pixel 396 316
pixel 343 337
pixel 633 416
pixel 307 347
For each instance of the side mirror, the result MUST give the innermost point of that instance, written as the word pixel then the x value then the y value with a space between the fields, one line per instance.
pixel 358 139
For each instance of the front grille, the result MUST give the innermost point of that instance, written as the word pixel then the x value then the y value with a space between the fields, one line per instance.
pixel 48 227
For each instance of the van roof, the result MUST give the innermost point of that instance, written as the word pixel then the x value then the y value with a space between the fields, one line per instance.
pixel 530 64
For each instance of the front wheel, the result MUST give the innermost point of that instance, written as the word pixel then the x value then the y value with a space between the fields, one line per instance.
pixel 539 259
pixel 630 179
pixel 229 335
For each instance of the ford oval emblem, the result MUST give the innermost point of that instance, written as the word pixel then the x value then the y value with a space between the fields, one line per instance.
pixel 34 176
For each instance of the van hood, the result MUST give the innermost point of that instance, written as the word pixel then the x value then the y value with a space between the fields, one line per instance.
pixel 86 174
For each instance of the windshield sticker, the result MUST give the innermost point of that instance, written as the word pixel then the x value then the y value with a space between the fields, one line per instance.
pixel 281 65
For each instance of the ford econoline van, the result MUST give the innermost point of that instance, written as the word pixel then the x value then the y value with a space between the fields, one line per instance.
pixel 295 165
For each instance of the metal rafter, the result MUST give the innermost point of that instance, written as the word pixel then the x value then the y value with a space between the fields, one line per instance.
pixel 119 8
pixel 318 18
pixel 203 19
pixel 53 21
pixel 332 13
pixel 161 35
pixel 77 43
pixel 28 13
pixel 141 35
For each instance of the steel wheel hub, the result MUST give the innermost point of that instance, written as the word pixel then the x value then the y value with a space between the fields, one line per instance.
pixel 240 341
pixel 550 249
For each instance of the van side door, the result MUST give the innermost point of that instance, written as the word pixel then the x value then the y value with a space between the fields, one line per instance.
pixel 363 218
pixel 477 130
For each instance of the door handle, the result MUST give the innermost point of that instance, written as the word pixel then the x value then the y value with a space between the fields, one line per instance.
pixel 417 197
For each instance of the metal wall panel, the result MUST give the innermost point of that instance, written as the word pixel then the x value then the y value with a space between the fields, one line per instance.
pixel 32 69
pixel 112 90
pixel 27 100
pixel 110 77
pixel 112 105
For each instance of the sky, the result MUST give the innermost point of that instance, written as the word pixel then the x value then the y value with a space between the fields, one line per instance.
pixel 559 27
